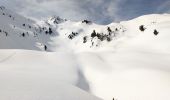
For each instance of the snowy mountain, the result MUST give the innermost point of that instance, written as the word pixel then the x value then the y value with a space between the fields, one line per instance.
pixel 60 59
pixel 18 32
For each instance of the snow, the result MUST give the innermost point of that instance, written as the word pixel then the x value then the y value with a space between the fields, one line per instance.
pixel 37 75
pixel 134 65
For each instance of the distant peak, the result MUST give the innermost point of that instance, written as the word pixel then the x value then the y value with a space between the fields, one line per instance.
pixel 56 20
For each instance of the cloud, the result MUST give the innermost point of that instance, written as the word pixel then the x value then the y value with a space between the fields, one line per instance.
pixel 164 8
pixel 79 9
pixel 99 11
pixel 129 9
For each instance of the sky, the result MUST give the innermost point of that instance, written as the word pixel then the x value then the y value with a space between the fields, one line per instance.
pixel 98 11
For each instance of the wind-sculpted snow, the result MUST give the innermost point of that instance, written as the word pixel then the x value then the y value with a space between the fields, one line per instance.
pixel 59 59
pixel 36 75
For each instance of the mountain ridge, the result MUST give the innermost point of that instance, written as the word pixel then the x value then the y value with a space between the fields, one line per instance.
pixel 62 59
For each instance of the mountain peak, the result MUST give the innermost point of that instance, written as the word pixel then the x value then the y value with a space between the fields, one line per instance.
pixel 56 20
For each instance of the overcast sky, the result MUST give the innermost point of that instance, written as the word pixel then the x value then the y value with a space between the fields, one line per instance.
pixel 99 11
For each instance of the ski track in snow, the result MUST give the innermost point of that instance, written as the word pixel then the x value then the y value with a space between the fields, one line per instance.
pixel 7 58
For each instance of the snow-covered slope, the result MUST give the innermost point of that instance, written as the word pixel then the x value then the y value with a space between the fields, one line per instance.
pixel 32 75
pixel 87 61
pixel 18 32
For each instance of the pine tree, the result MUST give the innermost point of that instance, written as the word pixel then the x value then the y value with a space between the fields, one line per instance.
pixel 45 47
pixel 155 32
pixel 93 34
pixel 46 32
pixel 109 30
pixel 85 39
pixel 23 34
pixel 50 31
pixel 142 28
